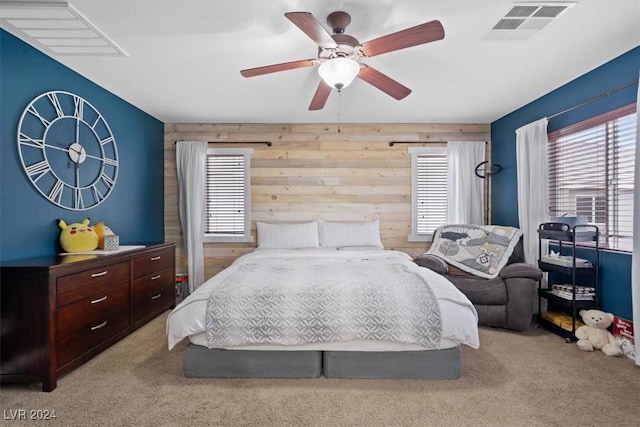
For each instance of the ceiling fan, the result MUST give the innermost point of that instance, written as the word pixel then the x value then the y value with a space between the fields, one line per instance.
pixel 338 54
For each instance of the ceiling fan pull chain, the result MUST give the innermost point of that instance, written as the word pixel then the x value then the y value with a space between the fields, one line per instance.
pixel 339 109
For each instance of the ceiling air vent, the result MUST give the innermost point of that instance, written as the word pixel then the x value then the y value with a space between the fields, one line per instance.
pixel 523 20
pixel 56 27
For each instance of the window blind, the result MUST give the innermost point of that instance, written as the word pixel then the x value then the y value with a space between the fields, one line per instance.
pixel 591 174
pixel 431 191
pixel 225 189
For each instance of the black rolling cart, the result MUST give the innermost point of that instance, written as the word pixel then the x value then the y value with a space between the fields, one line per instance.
pixel 565 300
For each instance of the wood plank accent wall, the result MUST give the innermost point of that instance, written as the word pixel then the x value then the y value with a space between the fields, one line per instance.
pixel 345 173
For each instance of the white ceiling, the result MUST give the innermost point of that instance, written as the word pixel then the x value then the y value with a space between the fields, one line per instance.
pixel 184 58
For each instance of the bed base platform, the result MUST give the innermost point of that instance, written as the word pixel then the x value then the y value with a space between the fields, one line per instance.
pixel 434 364
pixel 201 362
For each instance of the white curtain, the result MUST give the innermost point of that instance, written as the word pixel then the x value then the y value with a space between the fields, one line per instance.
pixel 465 198
pixel 191 157
pixel 635 260
pixel 533 184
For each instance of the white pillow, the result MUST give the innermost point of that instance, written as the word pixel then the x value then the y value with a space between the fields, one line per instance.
pixel 288 236
pixel 341 234
pixel 359 248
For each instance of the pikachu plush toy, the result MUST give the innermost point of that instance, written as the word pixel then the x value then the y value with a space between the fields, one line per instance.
pixel 78 237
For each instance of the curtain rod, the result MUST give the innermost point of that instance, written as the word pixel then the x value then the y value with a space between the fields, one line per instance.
pixel 267 143
pixel 596 98
pixel 392 143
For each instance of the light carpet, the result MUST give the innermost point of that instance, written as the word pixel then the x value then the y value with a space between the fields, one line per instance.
pixel 514 379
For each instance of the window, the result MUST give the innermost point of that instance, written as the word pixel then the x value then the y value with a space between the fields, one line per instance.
pixel 591 173
pixel 591 207
pixel 228 195
pixel 428 191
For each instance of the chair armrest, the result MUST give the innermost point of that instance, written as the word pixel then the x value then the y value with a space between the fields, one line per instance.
pixel 432 263
pixel 521 270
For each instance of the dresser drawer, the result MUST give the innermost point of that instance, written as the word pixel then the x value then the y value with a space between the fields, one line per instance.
pixel 152 262
pixel 82 285
pixel 91 311
pixel 91 336
pixel 154 303
pixel 152 283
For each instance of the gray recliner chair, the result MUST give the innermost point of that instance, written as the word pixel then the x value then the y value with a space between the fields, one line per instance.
pixel 506 301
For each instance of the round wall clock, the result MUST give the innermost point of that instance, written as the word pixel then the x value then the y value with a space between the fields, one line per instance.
pixel 67 150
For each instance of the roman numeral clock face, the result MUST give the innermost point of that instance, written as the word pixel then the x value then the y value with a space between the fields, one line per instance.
pixel 67 150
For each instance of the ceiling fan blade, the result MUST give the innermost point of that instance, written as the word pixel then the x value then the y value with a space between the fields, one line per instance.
pixel 311 27
pixel 258 71
pixel 420 34
pixel 383 82
pixel 320 97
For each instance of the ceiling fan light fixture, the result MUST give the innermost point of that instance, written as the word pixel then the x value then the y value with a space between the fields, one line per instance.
pixel 339 72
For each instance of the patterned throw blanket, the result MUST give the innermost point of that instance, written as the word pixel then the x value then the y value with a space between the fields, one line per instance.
pixel 301 301
pixel 481 250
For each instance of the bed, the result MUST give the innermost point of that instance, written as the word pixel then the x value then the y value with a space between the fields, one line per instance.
pixel 326 299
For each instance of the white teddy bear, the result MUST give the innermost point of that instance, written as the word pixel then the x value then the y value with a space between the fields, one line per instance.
pixel 594 334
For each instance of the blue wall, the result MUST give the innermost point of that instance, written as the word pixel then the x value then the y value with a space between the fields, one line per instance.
pixel 28 221
pixel 616 267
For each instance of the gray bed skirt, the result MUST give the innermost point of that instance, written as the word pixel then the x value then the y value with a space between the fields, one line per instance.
pixel 201 362
pixel 434 364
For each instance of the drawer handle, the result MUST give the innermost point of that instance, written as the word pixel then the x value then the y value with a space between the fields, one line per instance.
pixel 156 277
pixel 155 258
pixel 95 301
pixel 102 273
pixel 157 296
pixel 100 326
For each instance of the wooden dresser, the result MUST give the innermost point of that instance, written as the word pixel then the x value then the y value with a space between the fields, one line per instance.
pixel 58 312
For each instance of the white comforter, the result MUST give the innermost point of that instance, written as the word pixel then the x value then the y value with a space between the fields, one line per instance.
pixel 458 316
